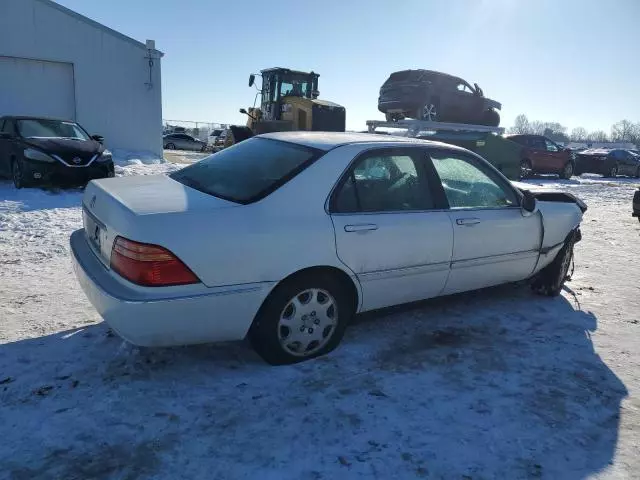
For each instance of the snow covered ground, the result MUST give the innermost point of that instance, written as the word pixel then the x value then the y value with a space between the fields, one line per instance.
pixel 493 384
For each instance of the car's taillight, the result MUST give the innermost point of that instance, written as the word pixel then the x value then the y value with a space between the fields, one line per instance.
pixel 149 265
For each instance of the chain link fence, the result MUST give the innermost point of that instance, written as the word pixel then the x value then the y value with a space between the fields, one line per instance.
pixel 200 130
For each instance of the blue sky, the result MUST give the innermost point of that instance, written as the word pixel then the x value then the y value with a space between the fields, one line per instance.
pixel 572 61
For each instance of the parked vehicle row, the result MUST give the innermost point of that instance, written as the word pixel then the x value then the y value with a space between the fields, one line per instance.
pixel 383 221
pixel 36 150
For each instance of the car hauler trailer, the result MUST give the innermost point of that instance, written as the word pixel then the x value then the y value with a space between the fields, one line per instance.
pixel 481 139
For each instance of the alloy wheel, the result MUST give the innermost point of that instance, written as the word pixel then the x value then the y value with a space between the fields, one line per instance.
pixel 307 322
pixel 614 171
pixel 568 170
pixel 429 112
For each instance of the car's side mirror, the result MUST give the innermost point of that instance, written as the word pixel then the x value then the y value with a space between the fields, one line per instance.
pixel 252 79
pixel 98 138
pixel 244 110
pixel 529 203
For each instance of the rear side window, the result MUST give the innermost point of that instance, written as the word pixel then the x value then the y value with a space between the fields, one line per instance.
pixel 249 170
pixel 385 183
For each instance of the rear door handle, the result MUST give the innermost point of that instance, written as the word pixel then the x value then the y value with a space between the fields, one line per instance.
pixel 361 227
pixel 467 221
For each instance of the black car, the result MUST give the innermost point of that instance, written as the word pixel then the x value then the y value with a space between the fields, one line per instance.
pixel 636 204
pixel 435 96
pixel 609 163
pixel 44 150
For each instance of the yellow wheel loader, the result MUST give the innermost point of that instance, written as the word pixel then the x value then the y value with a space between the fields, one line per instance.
pixel 289 101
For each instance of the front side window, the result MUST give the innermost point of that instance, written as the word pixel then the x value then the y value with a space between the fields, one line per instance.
pixel 551 147
pixel 249 170
pixel 43 128
pixel 463 87
pixel 537 143
pixel 467 185
pixel 384 183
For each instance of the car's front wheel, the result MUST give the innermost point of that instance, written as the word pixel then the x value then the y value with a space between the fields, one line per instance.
pixel 18 174
pixel 491 118
pixel 302 318
pixel 170 146
pixel 550 280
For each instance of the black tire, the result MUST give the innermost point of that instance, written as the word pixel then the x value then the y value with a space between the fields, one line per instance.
pixel 389 117
pixel 612 172
pixel 17 174
pixel 170 146
pixel 265 332
pixel 568 171
pixel 550 280
pixel 526 169
pixel 491 118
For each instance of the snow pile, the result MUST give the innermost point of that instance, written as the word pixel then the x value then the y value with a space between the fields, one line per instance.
pixel 126 157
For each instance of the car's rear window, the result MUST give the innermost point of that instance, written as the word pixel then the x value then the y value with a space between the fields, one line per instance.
pixel 249 170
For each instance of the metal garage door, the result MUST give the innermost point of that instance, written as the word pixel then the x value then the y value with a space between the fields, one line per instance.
pixel 36 87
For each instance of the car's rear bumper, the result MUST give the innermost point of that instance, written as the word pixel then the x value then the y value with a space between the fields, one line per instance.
pixel 398 105
pixel 42 172
pixel 165 316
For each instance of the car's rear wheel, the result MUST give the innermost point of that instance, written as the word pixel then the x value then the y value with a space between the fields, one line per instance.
pixel 567 171
pixel 429 112
pixel 304 317
pixel 526 170
pixel 613 171
pixel 551 279
pixel 170 146
pixel 491 118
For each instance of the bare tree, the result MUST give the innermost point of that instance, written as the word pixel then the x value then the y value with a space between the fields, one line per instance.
pixel 598 136
pixel 625 131
pixel 521 125
pixel 578 134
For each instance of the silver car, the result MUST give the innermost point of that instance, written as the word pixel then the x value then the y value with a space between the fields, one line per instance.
pixel 182 141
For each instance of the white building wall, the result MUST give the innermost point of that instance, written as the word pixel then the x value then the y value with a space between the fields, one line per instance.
pixel 110 71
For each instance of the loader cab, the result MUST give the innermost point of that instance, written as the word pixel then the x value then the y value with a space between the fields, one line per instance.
pixel 289 101
pixel 278 83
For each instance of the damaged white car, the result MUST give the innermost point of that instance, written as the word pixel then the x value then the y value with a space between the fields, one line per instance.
pixel 284 237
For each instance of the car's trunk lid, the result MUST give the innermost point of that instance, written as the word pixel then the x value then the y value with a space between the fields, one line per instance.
pixel 126 205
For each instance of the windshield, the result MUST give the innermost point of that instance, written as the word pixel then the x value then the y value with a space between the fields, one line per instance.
pixel 249 170
pixel 42 128
pixel 295 87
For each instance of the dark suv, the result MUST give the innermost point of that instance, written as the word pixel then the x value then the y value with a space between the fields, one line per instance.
pixel 435 96
pixel 541 155
pixel 44 150
pixel 609 163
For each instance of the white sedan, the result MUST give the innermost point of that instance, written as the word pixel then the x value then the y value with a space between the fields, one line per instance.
pixel 285 236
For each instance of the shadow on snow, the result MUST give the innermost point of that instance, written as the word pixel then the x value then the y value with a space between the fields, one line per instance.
pixel 495 383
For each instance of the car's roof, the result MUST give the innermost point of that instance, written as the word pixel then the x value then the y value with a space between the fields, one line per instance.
pixel 328 140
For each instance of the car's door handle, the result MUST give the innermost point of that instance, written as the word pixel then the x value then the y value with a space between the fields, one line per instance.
pixel 467 221
pixel 361 227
